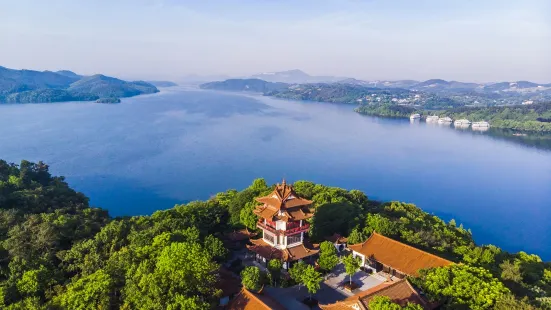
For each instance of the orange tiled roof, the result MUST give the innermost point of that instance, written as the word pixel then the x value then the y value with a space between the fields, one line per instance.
pixel 301 251
pixel 239 235
pixel 336 238
pixel 267 251
pixel 283 198
pixel 402 257
pixel 247 300
pixel 400 292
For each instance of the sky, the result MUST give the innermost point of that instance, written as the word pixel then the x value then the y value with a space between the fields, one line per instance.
pixel 469 40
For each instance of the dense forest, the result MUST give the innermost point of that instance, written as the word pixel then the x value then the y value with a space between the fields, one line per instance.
pixel 57 252
pixel 386 110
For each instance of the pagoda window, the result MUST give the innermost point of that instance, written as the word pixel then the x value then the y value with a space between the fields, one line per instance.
pixel 293 239
pixel 269 237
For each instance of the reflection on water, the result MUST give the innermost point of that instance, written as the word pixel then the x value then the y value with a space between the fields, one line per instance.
pixel 540 141
pixel 481 129
pixel 462 126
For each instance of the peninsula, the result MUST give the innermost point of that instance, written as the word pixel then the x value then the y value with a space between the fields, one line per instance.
pixel 28 86
pixel 191 256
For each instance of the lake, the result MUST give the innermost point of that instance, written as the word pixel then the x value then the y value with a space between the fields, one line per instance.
pixel 151 152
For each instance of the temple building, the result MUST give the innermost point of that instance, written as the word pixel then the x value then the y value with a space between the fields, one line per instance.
pixel 282 219
pixel 400 292
pixel 397 259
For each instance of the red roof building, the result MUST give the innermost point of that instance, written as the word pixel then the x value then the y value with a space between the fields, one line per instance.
pixel 396 258
pixel 400 292
pixel 247 300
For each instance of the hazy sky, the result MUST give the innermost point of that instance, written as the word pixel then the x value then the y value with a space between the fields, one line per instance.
pixel 478 40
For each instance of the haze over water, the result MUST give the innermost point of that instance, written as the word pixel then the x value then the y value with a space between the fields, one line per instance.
pixel 150 152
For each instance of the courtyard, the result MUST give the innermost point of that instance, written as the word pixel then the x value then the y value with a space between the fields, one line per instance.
pixel 331 289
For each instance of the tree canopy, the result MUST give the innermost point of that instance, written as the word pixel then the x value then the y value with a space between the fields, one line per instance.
pixel 328 258
pixel 463 285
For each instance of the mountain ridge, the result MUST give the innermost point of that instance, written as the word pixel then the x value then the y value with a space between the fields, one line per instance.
pixel 30 86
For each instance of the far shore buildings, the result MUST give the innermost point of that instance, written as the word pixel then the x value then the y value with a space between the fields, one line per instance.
pixel 397 259
pixel 282 219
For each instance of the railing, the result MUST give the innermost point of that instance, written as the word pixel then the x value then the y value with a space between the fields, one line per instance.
pixel 287 232
pixel 261 225
pixel 297 230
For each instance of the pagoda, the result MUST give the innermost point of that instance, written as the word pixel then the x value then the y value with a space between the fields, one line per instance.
pixel 282 219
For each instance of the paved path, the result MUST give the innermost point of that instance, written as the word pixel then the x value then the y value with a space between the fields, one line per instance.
pixel 338 277
pixel 292 297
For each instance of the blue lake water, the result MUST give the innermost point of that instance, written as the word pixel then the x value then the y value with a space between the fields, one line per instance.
pixel 153 151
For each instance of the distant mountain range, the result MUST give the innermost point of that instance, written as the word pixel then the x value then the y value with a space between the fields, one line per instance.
pixel 28 86
pixel 433 85
pixel 295 77
pixel 434 93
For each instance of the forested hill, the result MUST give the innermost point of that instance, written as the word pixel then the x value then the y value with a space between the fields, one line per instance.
pixel 57 252
pixel 533 117
pixel 529 118
pixel 28 86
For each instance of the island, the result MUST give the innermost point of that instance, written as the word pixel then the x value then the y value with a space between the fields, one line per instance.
pixel 192 256
pixel 28 86
pixel 108 100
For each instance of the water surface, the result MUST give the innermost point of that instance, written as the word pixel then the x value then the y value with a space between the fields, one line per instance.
pixel 153 151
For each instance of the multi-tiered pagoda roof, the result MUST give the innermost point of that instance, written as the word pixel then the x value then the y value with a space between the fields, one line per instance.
pixel 283 204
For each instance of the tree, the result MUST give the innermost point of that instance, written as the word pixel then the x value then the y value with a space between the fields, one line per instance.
pixel 509 302
pixel 338 217
pixel 462 285
pixel 247 217
pixel 385 303
pixel 214 246
pixel 274 267
pixel 251 278
pixel 328 258
pixel 356 236
pixel 510 271
pixel 351 265
pixel 176 271
pixel 33 281
pixel 311 279
pixel 91 292
pixel 380 224
pixel 297 271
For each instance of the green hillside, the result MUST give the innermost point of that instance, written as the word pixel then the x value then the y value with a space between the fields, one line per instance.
pixel 57 252
pixel 28 86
